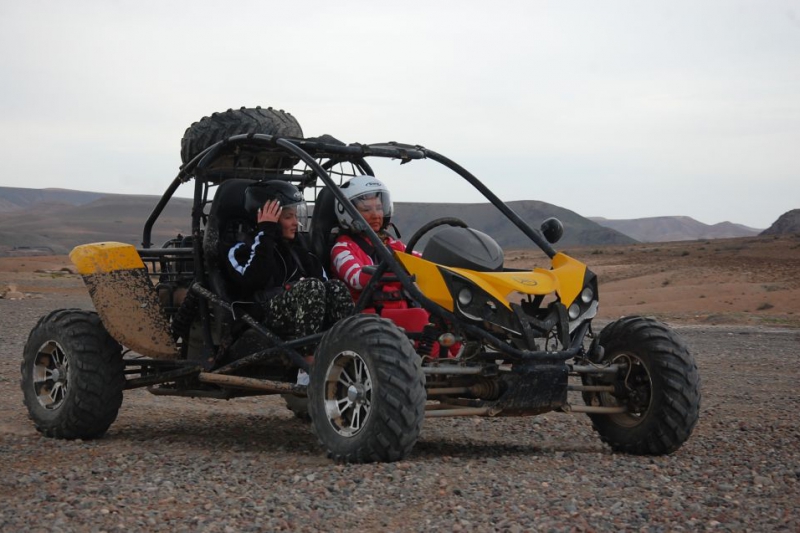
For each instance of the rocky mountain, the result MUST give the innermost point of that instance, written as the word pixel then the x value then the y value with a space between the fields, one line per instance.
pixel 677 228
pixel 56 221
pixel 788 222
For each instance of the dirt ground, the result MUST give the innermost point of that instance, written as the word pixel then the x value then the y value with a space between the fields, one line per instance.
pixel 192 464
pixel 745 281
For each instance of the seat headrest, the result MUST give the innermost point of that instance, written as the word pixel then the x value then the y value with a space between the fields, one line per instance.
pixel 228 200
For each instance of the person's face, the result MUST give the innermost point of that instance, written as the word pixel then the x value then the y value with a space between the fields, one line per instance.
pixel 372 211
pixel 288 222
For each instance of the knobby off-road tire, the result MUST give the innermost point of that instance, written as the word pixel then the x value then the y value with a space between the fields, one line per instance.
pixel 660 386
pixel 220 126
pixel 367 391
pixel 72 375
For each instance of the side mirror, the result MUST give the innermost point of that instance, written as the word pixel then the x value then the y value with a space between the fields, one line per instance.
pixel 552 229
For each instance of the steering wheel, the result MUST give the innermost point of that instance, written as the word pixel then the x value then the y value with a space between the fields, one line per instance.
pixel 446 221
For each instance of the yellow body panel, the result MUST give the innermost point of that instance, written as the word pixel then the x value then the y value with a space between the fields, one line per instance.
pixel 571 274
pixel 566 278
pixel 124 297
pixel 429 279
pixel 104 257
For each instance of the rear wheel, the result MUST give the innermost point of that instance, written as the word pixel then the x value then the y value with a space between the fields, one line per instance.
pixel 658 383
pixel 367 391
pixel 72 375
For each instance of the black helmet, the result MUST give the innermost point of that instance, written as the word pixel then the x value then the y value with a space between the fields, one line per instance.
pixel 257 194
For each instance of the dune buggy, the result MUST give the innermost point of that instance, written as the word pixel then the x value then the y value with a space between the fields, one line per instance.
pixel 479 339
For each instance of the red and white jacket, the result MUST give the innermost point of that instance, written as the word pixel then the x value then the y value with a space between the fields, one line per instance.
pixel 348 259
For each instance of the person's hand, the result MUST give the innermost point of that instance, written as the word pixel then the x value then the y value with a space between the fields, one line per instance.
pixel 271 211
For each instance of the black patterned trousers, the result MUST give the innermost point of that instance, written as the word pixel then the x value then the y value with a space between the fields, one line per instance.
pixel 309 306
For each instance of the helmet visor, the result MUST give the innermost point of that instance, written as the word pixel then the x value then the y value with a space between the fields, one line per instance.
pixel 298 210
pixel 374 204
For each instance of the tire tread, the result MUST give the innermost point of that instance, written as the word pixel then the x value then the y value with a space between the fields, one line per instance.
pixel 676 408
pixel 399 404
pixel 96 375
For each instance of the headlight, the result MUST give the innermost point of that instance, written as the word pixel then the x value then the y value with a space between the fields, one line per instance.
pixel 587 295
pixel 574 311
pixel 465 297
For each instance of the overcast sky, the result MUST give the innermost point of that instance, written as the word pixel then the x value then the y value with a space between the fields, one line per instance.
pixel 621 109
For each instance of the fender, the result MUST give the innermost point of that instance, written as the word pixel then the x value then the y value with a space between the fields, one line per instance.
pixel 125 298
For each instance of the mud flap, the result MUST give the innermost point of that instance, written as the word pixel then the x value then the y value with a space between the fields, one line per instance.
pixel 125 298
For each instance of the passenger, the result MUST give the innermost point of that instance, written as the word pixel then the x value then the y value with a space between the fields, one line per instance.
pixel 278 272
pixel 353 251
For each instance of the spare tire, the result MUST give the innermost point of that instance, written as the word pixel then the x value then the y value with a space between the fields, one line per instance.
pixel 219 126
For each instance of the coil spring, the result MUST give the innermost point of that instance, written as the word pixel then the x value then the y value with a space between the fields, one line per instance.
pixel 427 340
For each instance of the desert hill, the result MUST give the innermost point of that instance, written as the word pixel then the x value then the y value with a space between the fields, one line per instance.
pixel 60 227
pixel 56 221
pixel 675 228
pixel 578 230
pixel 17 199
pixel 788 222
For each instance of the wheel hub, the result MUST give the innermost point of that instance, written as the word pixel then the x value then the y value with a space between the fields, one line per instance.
pixel 637 386
pixel 356 393
pixel 50 375
pixel 348 393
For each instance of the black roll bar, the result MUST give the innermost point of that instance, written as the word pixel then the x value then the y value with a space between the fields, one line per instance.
pixel 533 234
pixel 301 148
pixel 408 283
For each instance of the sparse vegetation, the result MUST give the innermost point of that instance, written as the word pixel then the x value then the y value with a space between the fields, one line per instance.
pixel 764 306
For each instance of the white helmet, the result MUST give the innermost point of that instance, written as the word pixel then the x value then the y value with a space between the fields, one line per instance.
pixel 362 188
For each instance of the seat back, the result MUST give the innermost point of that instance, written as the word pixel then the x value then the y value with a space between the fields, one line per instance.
pixel 323 222
pixel 228 223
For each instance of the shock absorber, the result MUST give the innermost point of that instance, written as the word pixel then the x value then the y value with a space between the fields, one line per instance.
pixel 427 341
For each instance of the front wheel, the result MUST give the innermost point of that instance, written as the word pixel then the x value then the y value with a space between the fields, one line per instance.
pixel 657 383
pixel 367 391
pixel 72 375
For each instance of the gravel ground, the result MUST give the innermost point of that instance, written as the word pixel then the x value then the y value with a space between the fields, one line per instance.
pixel 176 464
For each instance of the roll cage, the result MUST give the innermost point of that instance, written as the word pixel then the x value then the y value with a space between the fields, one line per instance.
pixel 319 156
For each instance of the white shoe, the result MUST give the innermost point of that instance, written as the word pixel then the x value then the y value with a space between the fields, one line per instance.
pixel 302 377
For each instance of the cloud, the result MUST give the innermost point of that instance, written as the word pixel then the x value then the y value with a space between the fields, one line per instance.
pixel 571 103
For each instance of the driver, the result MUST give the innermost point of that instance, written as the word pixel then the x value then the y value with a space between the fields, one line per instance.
pixel 353 250
pixel 278 272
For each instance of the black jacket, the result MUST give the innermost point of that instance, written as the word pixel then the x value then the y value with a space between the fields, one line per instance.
pixel 267 261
